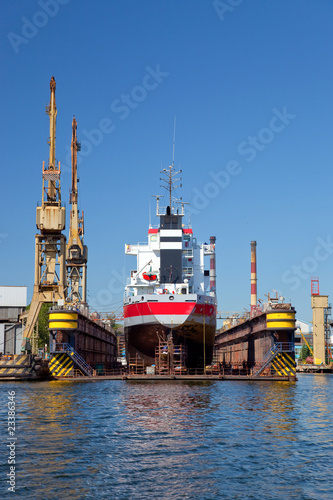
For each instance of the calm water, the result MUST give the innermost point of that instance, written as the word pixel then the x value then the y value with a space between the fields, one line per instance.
pixel 172 440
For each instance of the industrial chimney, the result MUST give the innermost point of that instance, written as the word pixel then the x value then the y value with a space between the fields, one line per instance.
pixel 212 273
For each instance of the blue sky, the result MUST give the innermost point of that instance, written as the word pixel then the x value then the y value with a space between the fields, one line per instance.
pixel 251 86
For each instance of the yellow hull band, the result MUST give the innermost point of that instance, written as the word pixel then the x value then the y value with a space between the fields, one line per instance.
pixel 281 324
pixel 64 315
pixel 284 315
pixel 62 325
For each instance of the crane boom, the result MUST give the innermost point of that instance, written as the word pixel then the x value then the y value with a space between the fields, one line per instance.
pixel 306 342
pixel 51 110
pixel 74 150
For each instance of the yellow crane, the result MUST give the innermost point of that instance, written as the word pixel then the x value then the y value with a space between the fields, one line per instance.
pixel 50 243
pixel 76 251
pixel 306 342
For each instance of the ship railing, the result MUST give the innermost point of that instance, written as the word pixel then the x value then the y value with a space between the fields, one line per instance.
pixel 139 244
pixel 174 211
pixel 66 307
pixel 285 346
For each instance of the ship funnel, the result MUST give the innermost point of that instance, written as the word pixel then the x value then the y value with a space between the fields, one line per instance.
pixel 253 277
pixel 212 273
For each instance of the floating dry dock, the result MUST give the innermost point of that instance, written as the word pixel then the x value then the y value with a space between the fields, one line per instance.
pixel 156 378
pixel 262 341
pixel 80 343
pixel 168 367
pixel 257 347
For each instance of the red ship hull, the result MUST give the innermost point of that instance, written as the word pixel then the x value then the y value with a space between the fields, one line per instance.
pixel 190 321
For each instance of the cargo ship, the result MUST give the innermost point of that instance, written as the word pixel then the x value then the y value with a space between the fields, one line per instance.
pixel 170 295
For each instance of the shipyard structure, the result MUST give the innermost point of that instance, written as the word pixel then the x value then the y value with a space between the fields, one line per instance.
pixel 314 342
pixel 170 303
pixel 260 342
pixel 78 342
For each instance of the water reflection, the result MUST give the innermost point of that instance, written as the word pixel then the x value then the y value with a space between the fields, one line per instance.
pixel 166 407
pixel 54 440
pixel 317 399
pixel 171 440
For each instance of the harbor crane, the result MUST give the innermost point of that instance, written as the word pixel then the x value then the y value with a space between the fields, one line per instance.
pixel 76 251
pixel 305 341
pixel 50 243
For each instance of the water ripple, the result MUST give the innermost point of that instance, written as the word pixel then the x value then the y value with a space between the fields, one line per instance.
pixel 173 440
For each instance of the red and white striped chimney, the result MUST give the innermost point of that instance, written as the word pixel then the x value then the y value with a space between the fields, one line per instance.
pixel 253 276
pixel 212 272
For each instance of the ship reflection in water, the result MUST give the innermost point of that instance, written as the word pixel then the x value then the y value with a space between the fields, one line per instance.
pixel 172 440
pixel 167 408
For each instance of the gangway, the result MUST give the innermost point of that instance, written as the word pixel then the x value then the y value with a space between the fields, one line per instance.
pixel 78 360
pixel 276 349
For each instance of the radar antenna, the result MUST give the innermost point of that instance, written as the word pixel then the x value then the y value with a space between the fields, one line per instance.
pixel 170 181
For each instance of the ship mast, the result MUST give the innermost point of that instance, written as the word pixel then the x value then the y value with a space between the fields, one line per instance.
pixel 170 181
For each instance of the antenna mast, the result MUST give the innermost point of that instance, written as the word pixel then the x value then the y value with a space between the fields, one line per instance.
pixel 174 142
pixel 170 172
pixel 170 181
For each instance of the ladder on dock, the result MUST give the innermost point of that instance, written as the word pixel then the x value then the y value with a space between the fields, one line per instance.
pixel 274 351
pixel 136 365
pixel 78 360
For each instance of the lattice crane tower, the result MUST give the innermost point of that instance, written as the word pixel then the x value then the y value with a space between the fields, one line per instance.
pixel 76 251
pixel 50 243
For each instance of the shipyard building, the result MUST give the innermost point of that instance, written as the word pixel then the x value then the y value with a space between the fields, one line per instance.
pixel 13 301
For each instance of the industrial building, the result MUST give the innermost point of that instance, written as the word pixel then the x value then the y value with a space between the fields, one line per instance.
pixel 13 301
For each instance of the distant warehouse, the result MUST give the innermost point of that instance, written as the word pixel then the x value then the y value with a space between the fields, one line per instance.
pixel 13 301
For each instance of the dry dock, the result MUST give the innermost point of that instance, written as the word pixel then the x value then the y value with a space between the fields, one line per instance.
pixel 145 378
pixel 262 341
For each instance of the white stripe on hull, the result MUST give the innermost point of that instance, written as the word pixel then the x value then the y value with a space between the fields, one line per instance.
pixel 167 320
pixel 170 321
pixel 177 233
pixel 171 245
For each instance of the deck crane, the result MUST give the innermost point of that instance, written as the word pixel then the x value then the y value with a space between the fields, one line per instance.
pixel 50 243
pixel 76 251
